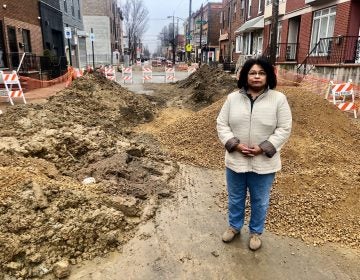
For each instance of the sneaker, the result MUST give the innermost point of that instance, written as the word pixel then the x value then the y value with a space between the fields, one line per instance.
pixel 230 234
pixel 254 241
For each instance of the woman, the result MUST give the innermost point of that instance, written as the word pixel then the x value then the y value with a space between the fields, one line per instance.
pixel 253 125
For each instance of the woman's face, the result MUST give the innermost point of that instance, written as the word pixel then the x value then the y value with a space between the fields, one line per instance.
pixel 256 78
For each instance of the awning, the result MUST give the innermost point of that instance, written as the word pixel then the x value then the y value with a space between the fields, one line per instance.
pixel 251 25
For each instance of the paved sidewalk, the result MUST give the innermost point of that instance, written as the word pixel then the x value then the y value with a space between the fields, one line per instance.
pixel 38 95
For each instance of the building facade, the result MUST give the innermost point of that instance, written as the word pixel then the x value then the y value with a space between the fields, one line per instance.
pixel 20 31
pixel 75 47
pixel 103 20
pixel 317 33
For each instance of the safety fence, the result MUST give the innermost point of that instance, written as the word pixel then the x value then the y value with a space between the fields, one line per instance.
pixel 325 88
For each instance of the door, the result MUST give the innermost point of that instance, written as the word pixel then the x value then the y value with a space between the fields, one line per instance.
pixel 357 57
pixel 14 51
pixel 292 41
pixel 3 62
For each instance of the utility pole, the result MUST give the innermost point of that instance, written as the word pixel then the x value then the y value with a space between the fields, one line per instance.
pixel 274 30
pixel 173 42
pixel 92 47
pixel 188 31
pixel 201 26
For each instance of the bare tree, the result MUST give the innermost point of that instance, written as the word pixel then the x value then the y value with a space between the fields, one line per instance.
pixel 168 36
pixel 135 23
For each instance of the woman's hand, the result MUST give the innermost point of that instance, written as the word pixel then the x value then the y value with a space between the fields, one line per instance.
pixel 249 151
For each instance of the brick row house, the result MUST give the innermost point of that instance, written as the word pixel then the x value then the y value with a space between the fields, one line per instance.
pixel 205 29
pixel 310 33
pixel 37 28
pixel 20 31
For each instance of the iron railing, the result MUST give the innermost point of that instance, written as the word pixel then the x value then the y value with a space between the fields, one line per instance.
pixel 285 52
pixel 46 66
pixel 332 50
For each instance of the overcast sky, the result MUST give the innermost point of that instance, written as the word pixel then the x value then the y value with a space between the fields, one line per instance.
pixel 159 10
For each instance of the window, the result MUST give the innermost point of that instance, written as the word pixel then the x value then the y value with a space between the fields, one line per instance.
pixel 26 40
pixel 323 27
pixel 278 38
pixel 239 44
pixel 247 44
pixel 72 8
pixel 259 45
pixel 249 9
pixel 260 8
pixel 65 6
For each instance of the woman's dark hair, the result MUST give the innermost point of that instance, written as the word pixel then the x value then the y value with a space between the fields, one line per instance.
pixel 265 64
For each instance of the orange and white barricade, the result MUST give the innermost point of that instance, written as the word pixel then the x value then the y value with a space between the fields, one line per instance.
pixel 110 73
pixel 338 93
pixel 12 87
pixel 127 74
pixel 191 70
pixel 147 74
pixel 78 73
pixel 169 74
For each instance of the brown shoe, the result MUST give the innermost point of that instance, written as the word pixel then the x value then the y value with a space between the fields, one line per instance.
pixel 230 234
pixel 254 241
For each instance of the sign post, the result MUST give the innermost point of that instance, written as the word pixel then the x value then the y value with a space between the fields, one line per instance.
pixel 92 39
pixel 68 36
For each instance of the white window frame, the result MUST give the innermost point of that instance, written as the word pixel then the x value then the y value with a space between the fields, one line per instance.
pixel 249 9
pixel 259 8
pixel 259 45
pixel 239 44
pixel 247 44
pixel 327 17
pixel 279 29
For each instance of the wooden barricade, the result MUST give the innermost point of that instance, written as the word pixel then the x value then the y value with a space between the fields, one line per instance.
pixel 12 87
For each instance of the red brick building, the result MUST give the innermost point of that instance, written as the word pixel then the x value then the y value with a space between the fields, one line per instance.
pixel 316 32
pixel 206 24
pixel 249 34
pixel 20 31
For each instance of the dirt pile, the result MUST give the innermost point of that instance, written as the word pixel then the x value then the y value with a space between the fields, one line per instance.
pixel 316 195
pixel 51 211
pixel 207 85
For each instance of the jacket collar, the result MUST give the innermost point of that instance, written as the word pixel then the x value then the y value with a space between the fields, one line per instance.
pixel 243 92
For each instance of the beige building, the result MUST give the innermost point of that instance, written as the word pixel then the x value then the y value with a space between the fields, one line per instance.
pixel 102 22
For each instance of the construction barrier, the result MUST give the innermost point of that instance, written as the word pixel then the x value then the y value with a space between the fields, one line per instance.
pixel 338 94
pixel 12 87
pixel 191 70
pixel 169 74
pixel 127 74
pixel 109 73
pixel 183 67
pixel 146 74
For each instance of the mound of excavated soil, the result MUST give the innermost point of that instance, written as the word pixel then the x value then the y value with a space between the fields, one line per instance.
pixel 202 88
pixel 316 195
pixel 207 85
pixel 48 217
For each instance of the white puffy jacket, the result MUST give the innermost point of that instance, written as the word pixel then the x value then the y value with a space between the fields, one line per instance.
pixel 269 122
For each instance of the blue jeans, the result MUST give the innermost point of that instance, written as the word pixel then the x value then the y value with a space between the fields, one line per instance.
pixel 259 186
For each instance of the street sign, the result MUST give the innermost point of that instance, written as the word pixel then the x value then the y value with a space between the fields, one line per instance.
pixel 67 31
pixel 188 48
pixel 92 37
pixel 200 21
pixel 189 37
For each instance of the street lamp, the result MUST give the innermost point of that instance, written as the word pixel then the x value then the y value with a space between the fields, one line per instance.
pixel 173 39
